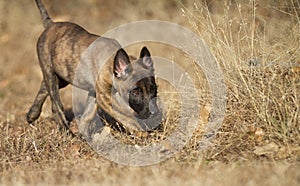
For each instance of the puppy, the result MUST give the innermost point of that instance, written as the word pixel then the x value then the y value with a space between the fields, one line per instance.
pixel 123 89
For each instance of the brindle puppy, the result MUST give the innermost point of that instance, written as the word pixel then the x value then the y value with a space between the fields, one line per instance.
pixel 63 46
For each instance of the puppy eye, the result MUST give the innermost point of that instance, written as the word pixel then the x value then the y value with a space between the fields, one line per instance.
pixel 136 92
pixel 153 87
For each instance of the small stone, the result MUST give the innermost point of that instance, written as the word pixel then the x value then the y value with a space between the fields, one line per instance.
pixel 266 149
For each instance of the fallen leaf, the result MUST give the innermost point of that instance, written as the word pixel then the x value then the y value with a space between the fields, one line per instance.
pixel 74 150
pixel 259 134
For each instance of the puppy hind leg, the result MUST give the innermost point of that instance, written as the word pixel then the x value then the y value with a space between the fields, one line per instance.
pixel 52 84
pixel 61 84
pixel 51 81
pixel 36 108
pixel 57 106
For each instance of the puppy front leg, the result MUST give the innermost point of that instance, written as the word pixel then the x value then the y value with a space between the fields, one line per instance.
pixel 87 117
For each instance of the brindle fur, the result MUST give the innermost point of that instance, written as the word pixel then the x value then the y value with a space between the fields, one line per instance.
pixel 60 50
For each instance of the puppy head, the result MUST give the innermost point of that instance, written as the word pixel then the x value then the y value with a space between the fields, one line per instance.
pixel 135 82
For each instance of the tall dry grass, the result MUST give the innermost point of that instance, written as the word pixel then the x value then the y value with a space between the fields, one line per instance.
pixel 257 46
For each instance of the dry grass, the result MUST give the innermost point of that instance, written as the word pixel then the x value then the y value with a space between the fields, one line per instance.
pixel 259 55
pixel 257 46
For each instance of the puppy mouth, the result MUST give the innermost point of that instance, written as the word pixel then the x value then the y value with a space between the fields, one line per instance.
pixel 146 115
pixel 155 117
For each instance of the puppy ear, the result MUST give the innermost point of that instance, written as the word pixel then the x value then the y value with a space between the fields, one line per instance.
pixel 121 63
pixel 146 58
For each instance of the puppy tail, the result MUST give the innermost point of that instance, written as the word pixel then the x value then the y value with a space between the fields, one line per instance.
pixel 46 18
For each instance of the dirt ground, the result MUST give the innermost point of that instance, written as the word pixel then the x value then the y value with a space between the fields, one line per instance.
pixel 258 142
